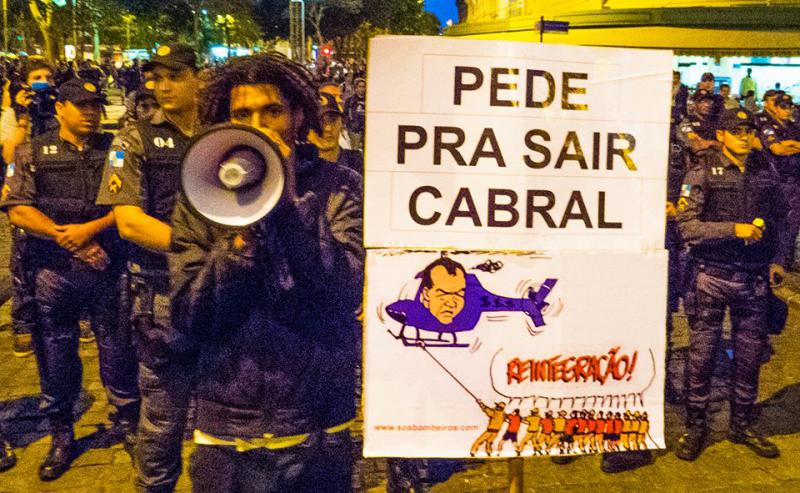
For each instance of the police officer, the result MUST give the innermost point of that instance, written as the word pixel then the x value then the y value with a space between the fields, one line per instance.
pixel 52 189
pixel 692 138
pixel 780 136
pixel 674 245
pixel 762 117
pixel 697 133
pixel 732 213
pixel 140 183
pixel 707 83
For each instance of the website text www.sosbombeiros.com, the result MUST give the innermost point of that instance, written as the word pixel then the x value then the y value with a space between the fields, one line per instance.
pixel 426 427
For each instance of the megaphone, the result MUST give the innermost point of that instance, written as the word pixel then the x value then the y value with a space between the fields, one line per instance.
pixel 233 175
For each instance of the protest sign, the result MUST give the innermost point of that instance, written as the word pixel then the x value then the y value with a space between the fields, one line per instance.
pixel 516 278
pixel 451 355
pixel 486 145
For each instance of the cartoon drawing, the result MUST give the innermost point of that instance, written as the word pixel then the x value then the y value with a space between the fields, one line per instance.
pixel 566 433
pixel 497 417
pixel 532 434
pixel 514 421
pixel 449 300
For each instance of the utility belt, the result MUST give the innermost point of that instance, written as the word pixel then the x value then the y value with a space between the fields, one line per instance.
pixel 268 441
pixel 733 274
pixel 738 274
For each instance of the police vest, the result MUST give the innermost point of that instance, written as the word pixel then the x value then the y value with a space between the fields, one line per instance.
pixel 164 147
pixel 66 184
pixel 739 199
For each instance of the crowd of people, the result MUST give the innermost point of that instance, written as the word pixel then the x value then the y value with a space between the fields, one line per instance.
pixel 256 329
pixel 102 235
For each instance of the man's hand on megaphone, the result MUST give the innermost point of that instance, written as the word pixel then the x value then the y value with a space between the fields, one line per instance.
pixel 276 138
pixel 287 154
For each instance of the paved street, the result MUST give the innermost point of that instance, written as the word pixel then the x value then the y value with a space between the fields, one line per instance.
pixel 105 467
pixel 723 466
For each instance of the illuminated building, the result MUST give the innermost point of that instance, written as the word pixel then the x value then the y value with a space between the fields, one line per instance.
pixel 724 37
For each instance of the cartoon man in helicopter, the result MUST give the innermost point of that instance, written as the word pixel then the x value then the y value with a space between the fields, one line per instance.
pixel 449 301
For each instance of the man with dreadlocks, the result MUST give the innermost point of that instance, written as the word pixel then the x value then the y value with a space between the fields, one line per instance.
pixel 268 311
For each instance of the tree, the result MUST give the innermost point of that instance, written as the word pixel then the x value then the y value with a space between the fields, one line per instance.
pixel 44 19
pixel 355 43
pixel 401 16
pixel 316 9
pixel 273 17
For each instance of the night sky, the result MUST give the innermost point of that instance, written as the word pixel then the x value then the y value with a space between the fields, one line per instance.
pixel 444 9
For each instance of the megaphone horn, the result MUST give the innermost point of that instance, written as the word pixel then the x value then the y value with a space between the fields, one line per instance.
pixel 233 175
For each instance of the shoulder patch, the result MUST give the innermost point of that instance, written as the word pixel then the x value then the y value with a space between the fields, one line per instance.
pixel 116 159
pixel 114 183
pixel 686 190
pixel 10 170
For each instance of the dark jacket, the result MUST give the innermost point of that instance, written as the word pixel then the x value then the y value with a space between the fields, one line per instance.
pixel 274 331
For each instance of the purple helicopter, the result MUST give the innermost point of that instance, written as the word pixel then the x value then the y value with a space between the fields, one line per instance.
pixel 477 300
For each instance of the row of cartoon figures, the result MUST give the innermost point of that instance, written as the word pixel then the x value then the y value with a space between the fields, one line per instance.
pixel 584 431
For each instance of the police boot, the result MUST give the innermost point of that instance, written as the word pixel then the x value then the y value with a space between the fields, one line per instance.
pixel 691 443
pixel 742 432
pixel 7 457
pixel 59 458
pixel 614 462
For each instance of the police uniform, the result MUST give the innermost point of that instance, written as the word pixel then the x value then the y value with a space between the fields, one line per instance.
pixel 772 131
pixel 693 125
pixel 715 196
pixel 681 158
pixel 144 171
pixel 61 181
pixel 762 117
pixel 678 161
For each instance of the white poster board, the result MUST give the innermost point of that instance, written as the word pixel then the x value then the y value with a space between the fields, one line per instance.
pixel 488 145
pixel 557 156
pixel 557 334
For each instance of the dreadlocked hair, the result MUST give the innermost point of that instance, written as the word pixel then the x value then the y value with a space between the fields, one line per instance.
pixel 294 82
